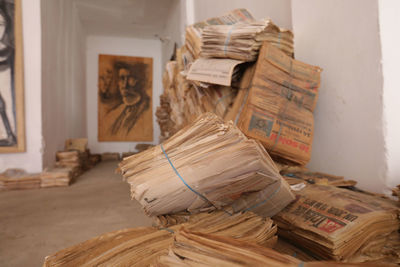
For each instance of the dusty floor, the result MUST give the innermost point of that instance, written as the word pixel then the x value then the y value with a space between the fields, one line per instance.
pixel 36 223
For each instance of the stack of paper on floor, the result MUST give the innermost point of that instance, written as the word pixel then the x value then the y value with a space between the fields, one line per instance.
pixel 110 156
pixel 339 224
pixel 199 249
pixel 141 246
pixel 245 226
pixel 70 159
pixel 13 179
pixel 194 32
pixel 207 165
pixel 56 177
pixel 279 108
pixel 242 41
pixel 78 144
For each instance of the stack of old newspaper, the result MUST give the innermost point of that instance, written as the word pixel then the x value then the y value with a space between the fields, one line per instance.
pixel 142 246
pixel 200 249
pixel 242 41
pixel 14 179
pixel 56 177
pixel 206 165
pixel 194 32
pixel 278 108
pixel 73 160
pixel 183 101
pixel 342 225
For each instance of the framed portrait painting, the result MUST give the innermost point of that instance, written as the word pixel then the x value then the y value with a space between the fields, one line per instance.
pixel 125 98
pixel 12 130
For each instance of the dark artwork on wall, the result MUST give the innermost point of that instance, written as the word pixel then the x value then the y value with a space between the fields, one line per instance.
pixel 125 98
pixel 12 137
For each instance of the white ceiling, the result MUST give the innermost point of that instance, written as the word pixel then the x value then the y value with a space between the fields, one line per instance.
pixel 137 18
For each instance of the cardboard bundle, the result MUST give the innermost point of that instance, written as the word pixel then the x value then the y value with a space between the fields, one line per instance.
pixel 189 172
pixel 56 177
pixel 342 225
pixel 141 246
pixel 14 179
pixel 194 32
pixel 279 106
pixel 242 41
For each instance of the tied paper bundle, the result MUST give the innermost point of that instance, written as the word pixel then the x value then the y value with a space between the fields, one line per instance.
pixel 199 249
pixel 207 165
pixel 242 41
pixel 279 105
pixel 342 225
pixel 182 102
pixel 141 246
pixel 56 177
pixel 194 32
pixel 245 226
pixel 15 179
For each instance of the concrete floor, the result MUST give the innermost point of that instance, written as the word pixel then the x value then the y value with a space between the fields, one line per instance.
pixel 37 223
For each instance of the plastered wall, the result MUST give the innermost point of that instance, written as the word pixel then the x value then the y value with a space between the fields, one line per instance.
pixel 96 45
pixel 389 21
pixel 343 38
pixel 63 76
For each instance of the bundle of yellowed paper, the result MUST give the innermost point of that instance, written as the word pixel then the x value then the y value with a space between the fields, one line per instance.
pixel 200 249
pixel 194 32
pixel 142 246
pixel 207 165
pixel 342 225
pixel 14 179
pixel 56 177
pixel 279 105
pixel 73 160
pixel 182 101
pixel 242 41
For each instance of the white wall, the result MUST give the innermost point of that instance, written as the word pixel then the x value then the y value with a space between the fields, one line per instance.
pixel 63 76
pixel 389 19
pixel 174 30
pixel 96 45
pixel 342 37
pixel 31 160
pixel 278 10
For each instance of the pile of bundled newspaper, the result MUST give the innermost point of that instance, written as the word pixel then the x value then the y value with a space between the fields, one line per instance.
pixel 142 246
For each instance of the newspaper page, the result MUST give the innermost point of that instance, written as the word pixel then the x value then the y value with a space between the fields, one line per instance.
pixel 215 71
